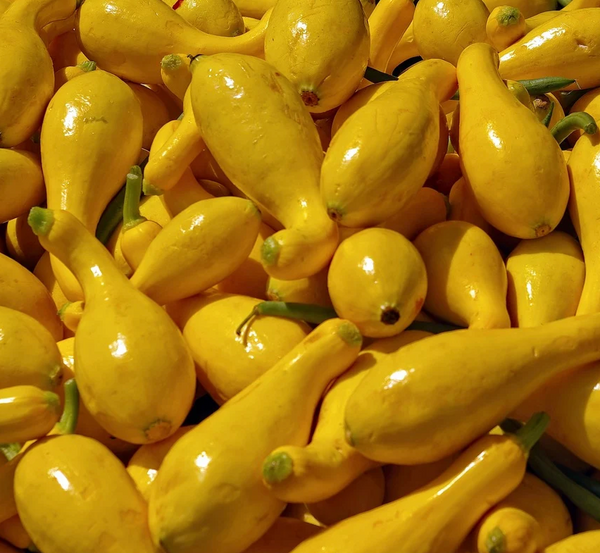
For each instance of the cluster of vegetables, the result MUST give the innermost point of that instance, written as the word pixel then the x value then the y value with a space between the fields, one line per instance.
pixel 260 295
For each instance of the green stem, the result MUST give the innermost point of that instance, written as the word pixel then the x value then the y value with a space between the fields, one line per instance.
pixel 40 220
pixel 10 451
pixel 131 204
pixel 533 430
pixel 546 120
pixel 538 86
pixel 68 420
pixel 582 479
pixel 572 122
pixel 564 3
pixel 376 76
pixel 87 65
pixel 568 97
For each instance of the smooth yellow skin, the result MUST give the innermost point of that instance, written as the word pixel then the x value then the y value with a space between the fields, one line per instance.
pixel 455 386
pixel 364 180
pixel 254 8
pixel 200 247
pixel 312 290
pixel 65 51
pixel 65 74
pixel 21 183
pixel 586 542
pixel 466 275
pixel 13 532
pixel 362 494
pixel 528 8
pixel 136 241
pixel 322 48
pixel 97 118
pixel 545 279
pixel 27 413
pixel 225 362
pixel 328 465
pixel 121 330
pixel 143 467
pixel 215 17
pixel 56 28
pixel 26 70
pixel 22 291
pixel 285 534
pixel 175 73
pixel 541 105
pixel 387 24
pixel 516 531
pixel 438 517
pixel 154 112
pixel 377 280
pixel 463 206
pixel 267 106
pixel 185 193
pixel 404 49
pixel 505 25
pixel 584 173
pixel 22 245
pixel 495 129
pixel 590 103
pixel 447 173
pixel 212 476
pixel 444 29
pixel 43 272
pixel 567 45
pixel 84 499
pixel 131 38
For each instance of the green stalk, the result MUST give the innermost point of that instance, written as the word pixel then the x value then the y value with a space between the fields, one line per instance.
pixel 583 480
pixel 68 420
pixel 538 86
pixel 529 434
pixel 568 98
pixel 87 65
pixel 131 203
pixel 10 451
pixel 572 122
pixel 546 120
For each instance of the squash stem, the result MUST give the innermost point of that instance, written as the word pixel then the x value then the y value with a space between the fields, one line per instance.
pixel 10 451
pixel 87 66
pixel 68 420
pixel 538 86
pixel 587 482
pixel 529 434
pixel 546 120
pixel 572 122
pixel 133 193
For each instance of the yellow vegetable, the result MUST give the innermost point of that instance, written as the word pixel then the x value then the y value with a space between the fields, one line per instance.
pixel 21 183
pixel 446 175
pixel 322 48
pixel 56 28
pixel 567 46
pixel 65 51
pixel 545 279
pixel 212 476
pixel 466 275
pixel 444 29
pixel 22 245
pixel 438 517
pixel 328 464
pixel 283 536
pixel 26 71
pixel 121 330
pixel 586 542
pixel 91 136
pixel 590 103
pixel 505 25
pixel 457 385
pixel 215 17
pixel 510 530
pixel 145 32
pixel 154 112
pixel 528 8
pixel 27 413
pixel 404 49
pixel 495 129
pixel 279 171
pixel 22 291
pixel 373 166
pixel 377 280
pixel 254 8
pixel 175 73
pixel 542 103
pixel 84 498
pixel 65 74
pixel 312 290
pixel 463 206
pixel 13 532
pixel 225 362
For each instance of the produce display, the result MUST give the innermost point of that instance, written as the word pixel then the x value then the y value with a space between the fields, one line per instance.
pixel 288 276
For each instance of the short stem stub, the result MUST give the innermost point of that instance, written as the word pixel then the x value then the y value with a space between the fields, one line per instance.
pixel 133 193
pixel 548 118
pixel 572 122
pixel 68 420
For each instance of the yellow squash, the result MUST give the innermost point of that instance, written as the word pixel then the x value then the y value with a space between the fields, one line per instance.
pixel 43 272
pixel 328 464
pixel 444 29
pixel 84 499
pixel 586 542
pixel 374 166
pixel 565 46
pixel 285 534
pixel 120 331
pixel 211 478
pixel 528 8
pixel 175 73
pixel 254 8
pixel 495 130
pixel 377 280
pixel 271 151
pixel 154 112
pixel 505 25
pixel 21 183
pixel 215 17
pixel 225 362
pixel 312 290
pixel 542 103
pixel 65 74
pixel 545 279
pixel 590 103
pixel 404 49
pixel 436 518
pixel 466 275
pixel 22 245
pixel 97 118
pixel 130 38
pixel 26 71
pixel 322 48
pixel 455 386
pixel 22 291
pixel 463 206
pixel 65 50
pixel 12 532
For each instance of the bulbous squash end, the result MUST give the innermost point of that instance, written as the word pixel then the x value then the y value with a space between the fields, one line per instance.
pixel 310 98
pixel 495 541
pixel 40 220
pixel 277 467
pixel 158 430
pixel 349 332
pixel 269 251
pixel 389 315
pixel 170 62
pixel 336 212
pixel 542 230
pixel 508 16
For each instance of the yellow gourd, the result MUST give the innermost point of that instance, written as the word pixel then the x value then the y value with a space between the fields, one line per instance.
pixel 285 534
pixel 154 112
pixel 145 32
pixel 12 531
pixel 280 171
pixel 212 476
pixel 455 386
pixel 26 71
pixel 446 175
pixel 364 183
pixel 586 542
pixel 328 464
pixel 567 46
pixel 27 413
pixel 254 8
pixel 443 30
pixel 120 331
pixel 175 73
pixel 56 28
pixel 542 103
pixel 584 173
pixel 590 103
pixel 215 17
pixel 494 130
pixel 22 245
pixel 65 51
pixel 545 279
pixel 97 118
pixel 312 290
pixel 21 183
pixel 145 462
pixel 510 530
pixel 438 517
pixel 225 362
pixel 76 480
pixel 505 25
pixel 65 74
pixel 528 8
pixel 463 206
pixel 43 272
pixel 404 49
pixel 22 291
pixel 321 48
pixel 466 275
